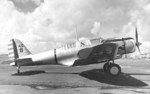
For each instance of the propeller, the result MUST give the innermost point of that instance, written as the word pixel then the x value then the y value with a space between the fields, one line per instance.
pixel 137 43
pixel 124 47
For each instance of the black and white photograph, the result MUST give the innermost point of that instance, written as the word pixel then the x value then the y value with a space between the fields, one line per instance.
pixel 74 46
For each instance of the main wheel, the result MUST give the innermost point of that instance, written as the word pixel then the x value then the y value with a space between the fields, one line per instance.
pixel 105 67
pixel 114 70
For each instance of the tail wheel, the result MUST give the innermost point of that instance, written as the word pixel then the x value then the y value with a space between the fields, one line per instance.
pixel 114 70
pixel 18 68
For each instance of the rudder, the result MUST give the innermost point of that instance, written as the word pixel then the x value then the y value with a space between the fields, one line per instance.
pixel 17 49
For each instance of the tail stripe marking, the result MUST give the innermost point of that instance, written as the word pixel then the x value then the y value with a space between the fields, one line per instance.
pixel 10 48
pixel 10 52
pixel 11 55
pixel 10 44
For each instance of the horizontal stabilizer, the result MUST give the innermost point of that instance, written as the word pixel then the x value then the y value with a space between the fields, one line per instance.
pixel 7 61
pixel 23 62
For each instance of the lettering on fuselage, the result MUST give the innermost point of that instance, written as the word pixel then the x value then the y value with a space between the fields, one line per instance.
pixel 21 48
pixel 76 45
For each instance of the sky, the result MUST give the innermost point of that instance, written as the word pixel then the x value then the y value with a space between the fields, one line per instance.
pixel 45 24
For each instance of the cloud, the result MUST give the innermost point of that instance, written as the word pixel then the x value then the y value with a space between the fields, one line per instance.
pixel 53 22
pixel 38 2
pixel 140 18
pixel 26 5
pixel 96 28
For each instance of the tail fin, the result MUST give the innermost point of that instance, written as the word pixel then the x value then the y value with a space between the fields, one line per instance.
pixel 17 49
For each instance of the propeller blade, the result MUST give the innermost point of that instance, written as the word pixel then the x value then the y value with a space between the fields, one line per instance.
pixel 124 47
pixel 137 40
pixel 136 35
pixel 138 49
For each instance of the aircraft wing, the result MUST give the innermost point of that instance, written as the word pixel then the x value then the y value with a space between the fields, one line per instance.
pixel 97 54
pixel 104 52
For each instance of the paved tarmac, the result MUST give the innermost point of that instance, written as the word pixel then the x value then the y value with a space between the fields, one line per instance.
pixel 57 79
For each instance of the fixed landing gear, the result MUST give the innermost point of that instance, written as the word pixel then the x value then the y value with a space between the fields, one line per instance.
pixel 112 69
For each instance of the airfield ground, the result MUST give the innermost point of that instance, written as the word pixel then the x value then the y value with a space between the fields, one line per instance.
pixel 56 79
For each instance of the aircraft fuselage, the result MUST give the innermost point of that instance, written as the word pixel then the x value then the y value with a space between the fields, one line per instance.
pixel 69 53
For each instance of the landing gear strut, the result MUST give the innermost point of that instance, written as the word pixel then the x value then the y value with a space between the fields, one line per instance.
pixel 112 69
pixel 105 67
pixel 18 69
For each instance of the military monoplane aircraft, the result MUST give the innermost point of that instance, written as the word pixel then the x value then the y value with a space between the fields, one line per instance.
pixel 82 52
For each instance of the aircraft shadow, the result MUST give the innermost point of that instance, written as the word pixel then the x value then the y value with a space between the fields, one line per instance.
pixel 137 73
pixel 122 80
pixel 27 73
